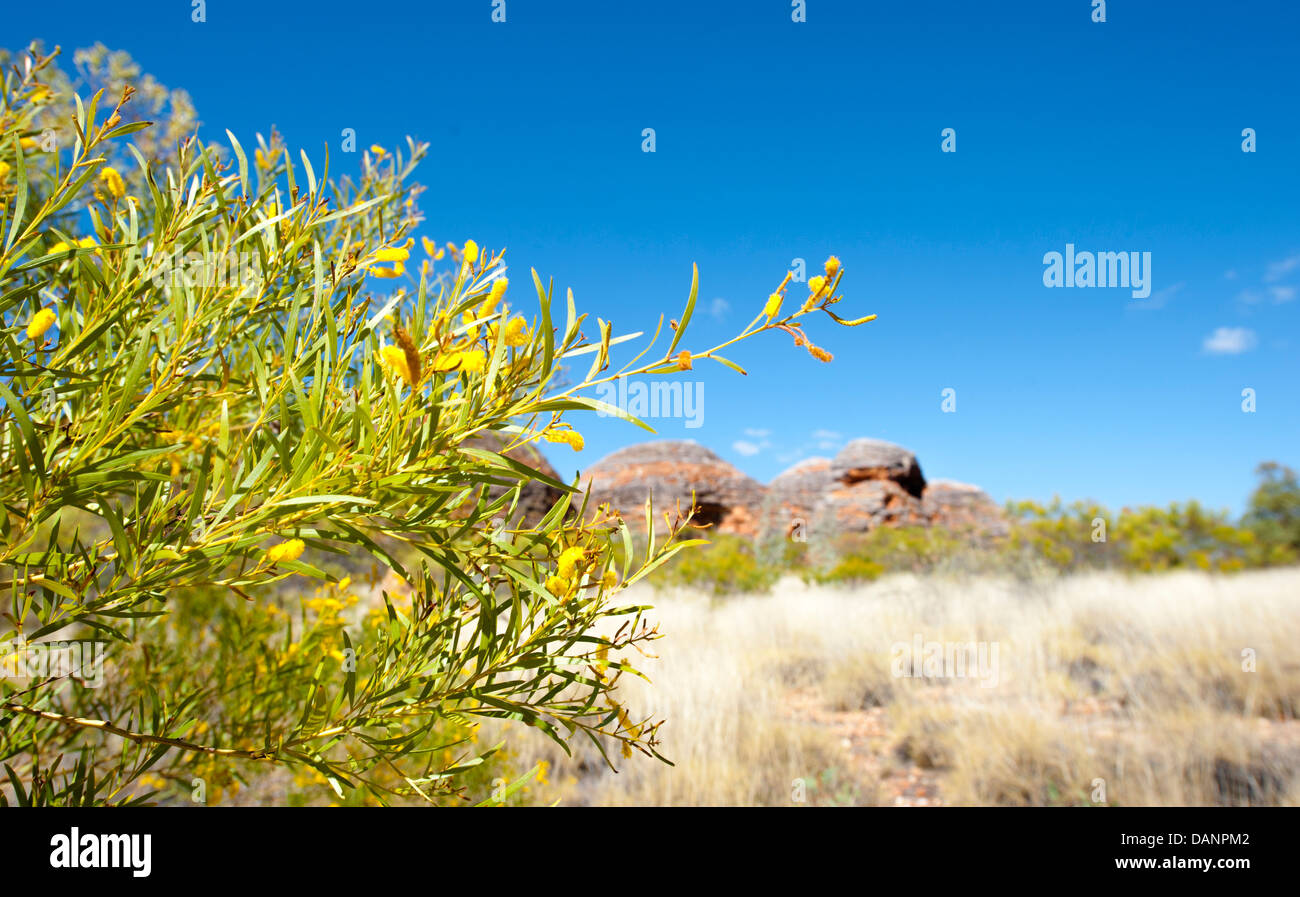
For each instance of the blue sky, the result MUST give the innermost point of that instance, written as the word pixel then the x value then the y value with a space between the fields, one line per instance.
pixel 778 140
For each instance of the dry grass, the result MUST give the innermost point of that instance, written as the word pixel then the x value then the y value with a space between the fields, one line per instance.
pixel 1136 684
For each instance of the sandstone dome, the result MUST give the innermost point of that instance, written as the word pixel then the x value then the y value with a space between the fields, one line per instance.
pixel 670 470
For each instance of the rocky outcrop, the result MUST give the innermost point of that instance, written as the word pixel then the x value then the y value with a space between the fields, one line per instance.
pixel 869 484
pixel 794 493
pixel 878 461
pixel 962 506
pixel 670 471
pixel 872 483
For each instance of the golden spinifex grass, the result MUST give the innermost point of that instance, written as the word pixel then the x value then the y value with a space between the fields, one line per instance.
pixel 202 402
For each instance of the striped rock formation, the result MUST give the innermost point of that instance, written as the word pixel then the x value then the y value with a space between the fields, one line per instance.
pixel 670 471
pixel 873 483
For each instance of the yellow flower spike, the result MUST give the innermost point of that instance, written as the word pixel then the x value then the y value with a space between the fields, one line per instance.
pixel 627 750
pixel 430 247
pixel 517 333
pixel 395 358
pixel 557 586
pixel 571 438
pixel 42 321
pixel 113 181
pixel 819 353
pixel 626 721
pixel 471 252
pixel 473 361
pixel 816 285
pixel 448 362
pixel 498 290
pixel 397 270
pixel 4 170
pixel 414 364
pixel 569 560
pixel 832 267
pixel 392 254
pixel 773 307
pixel 684 360
pixel 378 150
pixel 609 580
pixel 285 551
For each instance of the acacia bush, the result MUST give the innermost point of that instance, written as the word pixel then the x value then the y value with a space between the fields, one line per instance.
pixel 219 382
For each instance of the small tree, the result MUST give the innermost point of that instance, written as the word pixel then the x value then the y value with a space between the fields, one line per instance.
pixel 203 405
pixel 1274 512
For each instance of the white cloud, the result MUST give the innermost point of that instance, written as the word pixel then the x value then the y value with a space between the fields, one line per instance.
pixel 748 449
pixel 758 434
pixel 719 307
pixel 1230 341
pixel 1230 275
pixel 1158 298
pixel 1282 294
pixel 826 435
pixel 1277 270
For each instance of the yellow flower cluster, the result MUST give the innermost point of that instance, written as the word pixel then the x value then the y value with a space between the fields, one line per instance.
pixel 471 361
pixel 83 243
pixel 571 438
pixel 397 255
pixel 517 333
pixel 395 358
pixel 820 287
pixel 431 249
pixel 285 551
pixel 42 321
pixel 111 179
pixel 571 566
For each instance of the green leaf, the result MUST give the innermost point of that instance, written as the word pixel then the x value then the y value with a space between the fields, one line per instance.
pixel 690 308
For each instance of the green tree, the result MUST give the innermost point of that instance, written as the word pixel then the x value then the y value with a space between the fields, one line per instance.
pixel 1274 511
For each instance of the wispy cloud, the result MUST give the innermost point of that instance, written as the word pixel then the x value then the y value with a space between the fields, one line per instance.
pixel 1276 294
pixel 746 448
pixel 1230 341
pixel 826 435
pixel 757 434
pixel 719 307
pixel 1158 299
pixel 1277 270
